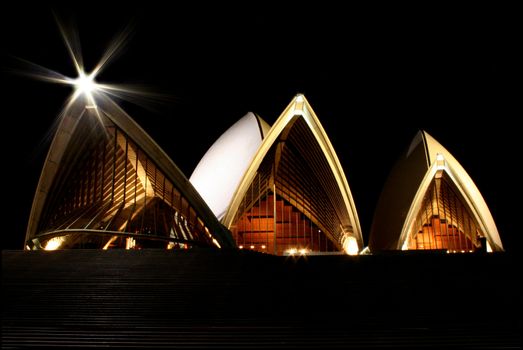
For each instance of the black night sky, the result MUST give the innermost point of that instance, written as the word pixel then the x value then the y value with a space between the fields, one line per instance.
pixel 373 75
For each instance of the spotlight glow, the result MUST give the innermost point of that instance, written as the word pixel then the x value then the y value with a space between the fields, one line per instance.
pixel 350 245
pixel 54 243
pixel 85 83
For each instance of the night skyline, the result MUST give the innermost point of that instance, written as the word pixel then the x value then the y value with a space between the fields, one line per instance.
pixel 372 80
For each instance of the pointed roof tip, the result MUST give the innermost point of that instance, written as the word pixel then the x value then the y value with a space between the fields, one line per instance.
pixel 255 116
pixel 424 132
pixel 298 103
pixel 420 137
pixel 262 124
pixel 299 97
pixel 421 132
pixel 423 135
pixel 249 114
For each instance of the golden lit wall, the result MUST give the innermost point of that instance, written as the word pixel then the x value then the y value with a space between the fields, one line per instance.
pixel 108 193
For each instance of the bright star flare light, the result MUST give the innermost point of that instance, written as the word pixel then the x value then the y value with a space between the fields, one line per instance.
pixel 85 84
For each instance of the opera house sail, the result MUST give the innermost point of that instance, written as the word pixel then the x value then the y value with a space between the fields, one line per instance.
pixel 430 203
pixel 107 184
pixel 290 195
pixel 221 169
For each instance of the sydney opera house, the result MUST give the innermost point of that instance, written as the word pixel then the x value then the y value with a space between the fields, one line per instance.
pixel 252 250
pixel 276 189
pixel 267 242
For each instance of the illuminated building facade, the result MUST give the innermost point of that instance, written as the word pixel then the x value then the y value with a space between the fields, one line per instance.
pixel 288 193
pixel 430 203
pixel 106 184
pixel 276 189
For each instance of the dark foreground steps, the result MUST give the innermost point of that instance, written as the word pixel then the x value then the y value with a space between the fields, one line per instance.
pixel 239 299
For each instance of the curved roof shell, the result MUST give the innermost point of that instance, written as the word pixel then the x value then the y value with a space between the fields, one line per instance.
pixel 78 126
pixel 322 161
pixel 403 193
pixel 221 169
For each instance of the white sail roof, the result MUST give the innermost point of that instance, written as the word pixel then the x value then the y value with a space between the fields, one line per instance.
pixel 221 169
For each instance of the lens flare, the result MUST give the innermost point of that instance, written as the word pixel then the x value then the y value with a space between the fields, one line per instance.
pixel 85 83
